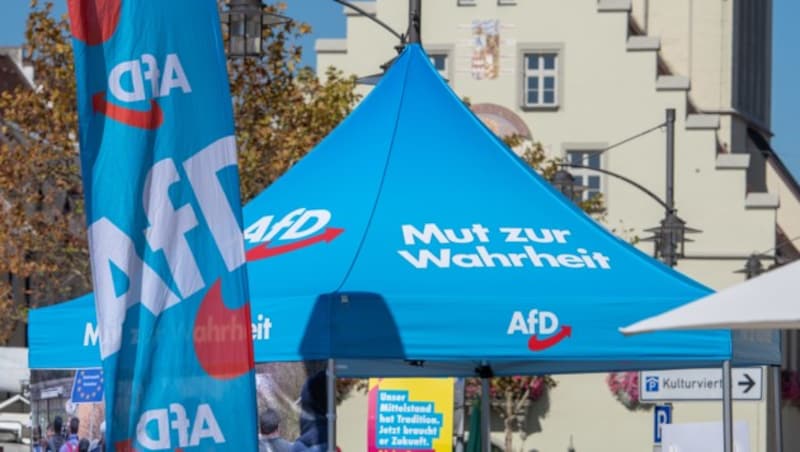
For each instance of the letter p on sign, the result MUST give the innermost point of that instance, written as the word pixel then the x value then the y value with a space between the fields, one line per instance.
pixel 661 415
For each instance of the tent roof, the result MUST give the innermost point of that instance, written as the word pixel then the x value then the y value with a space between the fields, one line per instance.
pixel 411 233
pixel 769 301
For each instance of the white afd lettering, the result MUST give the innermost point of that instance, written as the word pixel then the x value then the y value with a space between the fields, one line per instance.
pixel 203 171
pixel 153 430
pixel 110 245
pixel 537 322
pixel 160 84
pixel 169 227
pixel 297 224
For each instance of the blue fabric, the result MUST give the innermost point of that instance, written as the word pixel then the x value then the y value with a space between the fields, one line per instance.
pixel 412 233
pixel 158 159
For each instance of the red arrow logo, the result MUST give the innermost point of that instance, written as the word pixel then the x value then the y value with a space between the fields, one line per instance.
pixel 536 345
pixel 149 120
pixel 263 252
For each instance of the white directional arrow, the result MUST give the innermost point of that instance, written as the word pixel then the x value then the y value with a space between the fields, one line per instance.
pixel 749 383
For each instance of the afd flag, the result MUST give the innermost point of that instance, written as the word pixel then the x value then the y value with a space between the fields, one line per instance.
pixel 159 169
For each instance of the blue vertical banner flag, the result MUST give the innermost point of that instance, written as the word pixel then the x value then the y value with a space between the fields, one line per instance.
pixel 159 168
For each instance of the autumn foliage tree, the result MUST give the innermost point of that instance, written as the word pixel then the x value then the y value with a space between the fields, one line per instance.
pixel 281 112
pixel 44 255
pixel 281 109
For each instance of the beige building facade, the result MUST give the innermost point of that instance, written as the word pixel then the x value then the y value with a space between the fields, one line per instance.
pixel 581 77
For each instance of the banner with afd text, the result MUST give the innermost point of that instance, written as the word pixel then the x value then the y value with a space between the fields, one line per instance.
pixel 158 158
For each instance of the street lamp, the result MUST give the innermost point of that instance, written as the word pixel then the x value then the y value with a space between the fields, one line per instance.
pixel 752 267
pixel 564 182
pixel 669 236
pixel 246 20
pixel 411 36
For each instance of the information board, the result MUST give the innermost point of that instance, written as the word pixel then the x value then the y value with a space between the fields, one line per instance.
pixel 410 414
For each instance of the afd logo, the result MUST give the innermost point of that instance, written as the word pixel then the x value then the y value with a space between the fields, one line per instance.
pixel 543 327
pixel 297 229
pixel 651 384
pixel 155 427
pixel 137 80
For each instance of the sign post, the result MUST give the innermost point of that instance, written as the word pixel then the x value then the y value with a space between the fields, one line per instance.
pixel 699 384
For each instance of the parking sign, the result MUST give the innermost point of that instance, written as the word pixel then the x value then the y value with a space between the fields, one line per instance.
pixel 651 383
pixel 661 415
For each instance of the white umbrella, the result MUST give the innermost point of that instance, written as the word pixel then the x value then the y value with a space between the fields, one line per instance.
pixel 770 301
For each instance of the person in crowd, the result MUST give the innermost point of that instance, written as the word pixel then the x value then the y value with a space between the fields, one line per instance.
pixel 313 416
pixel 83 445
pixel 56 440
pixel 72 442
pixel 99 445
pixel 270 439
pixel 39 443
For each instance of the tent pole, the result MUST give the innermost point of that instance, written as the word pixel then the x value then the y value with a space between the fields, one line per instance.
pixel 727 407
pixel 458 418
pixel 414 22
pixel 776 406
pixel 330 383
pixel 486 425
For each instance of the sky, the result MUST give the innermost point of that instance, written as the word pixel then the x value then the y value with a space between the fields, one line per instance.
pixel 327 21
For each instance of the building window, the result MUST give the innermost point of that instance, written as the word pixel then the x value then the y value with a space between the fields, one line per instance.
pixel 540 87
pixel 591 182
pixel 751 58
pixel 439 61
pixel 467 2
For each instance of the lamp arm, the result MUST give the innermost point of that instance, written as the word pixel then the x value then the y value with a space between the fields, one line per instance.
pixel 624 179
pixel 372 18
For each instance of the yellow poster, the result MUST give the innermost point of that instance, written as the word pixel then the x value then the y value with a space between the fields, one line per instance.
pixel 410 414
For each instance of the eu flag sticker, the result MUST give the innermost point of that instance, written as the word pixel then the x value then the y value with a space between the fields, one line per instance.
pixel 87 386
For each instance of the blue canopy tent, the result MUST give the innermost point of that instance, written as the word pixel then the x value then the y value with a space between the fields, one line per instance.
pixel 411 241
pixel 412 236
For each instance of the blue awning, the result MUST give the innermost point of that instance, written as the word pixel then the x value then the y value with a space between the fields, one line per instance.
pixel 412 234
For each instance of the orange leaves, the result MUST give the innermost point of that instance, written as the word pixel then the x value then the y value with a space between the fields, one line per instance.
pixel 281 111
pixel 41 215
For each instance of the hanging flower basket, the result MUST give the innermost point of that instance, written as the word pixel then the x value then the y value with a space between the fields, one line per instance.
pixel 531 388
pixel 625 388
